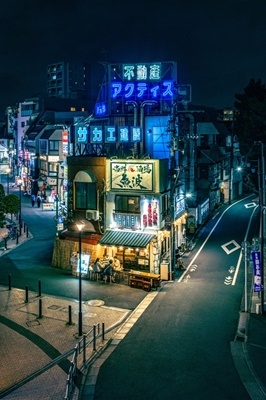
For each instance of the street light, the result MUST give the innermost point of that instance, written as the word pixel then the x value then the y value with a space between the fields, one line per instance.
pixel 19 182
pixel 80 226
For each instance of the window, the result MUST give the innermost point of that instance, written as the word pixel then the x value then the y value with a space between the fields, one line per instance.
pixel 86 195
pixel 53 147
pixel 127 204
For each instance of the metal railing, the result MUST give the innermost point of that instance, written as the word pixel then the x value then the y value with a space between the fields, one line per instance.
pixel 81 348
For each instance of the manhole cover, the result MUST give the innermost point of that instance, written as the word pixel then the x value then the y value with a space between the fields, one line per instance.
pixel 54 307
pixel 35 322
pixel 95 303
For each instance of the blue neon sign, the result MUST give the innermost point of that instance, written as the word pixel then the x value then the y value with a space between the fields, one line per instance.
pixel 141 90
pixel 108 134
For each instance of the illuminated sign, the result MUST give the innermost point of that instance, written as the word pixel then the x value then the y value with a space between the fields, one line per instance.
pixel 81 134
pixel 131 176
pixel 109 134
pixel 101 109
pixel 142 72
pixel 65 142
pixel 141 90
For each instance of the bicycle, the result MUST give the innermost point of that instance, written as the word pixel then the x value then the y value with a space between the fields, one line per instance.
pixel 12 232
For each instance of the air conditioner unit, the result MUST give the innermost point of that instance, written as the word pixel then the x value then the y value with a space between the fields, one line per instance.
pixel 92 214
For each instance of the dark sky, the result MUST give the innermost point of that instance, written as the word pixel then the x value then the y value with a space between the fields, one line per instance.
pixel 219 45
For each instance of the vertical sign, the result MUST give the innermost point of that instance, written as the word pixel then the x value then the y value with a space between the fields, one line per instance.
pixel 257 270
pixel 65 142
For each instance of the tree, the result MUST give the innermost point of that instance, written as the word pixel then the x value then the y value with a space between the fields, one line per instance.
pixel 250 118
pixel 2 207
pixel 250 128
pixel 12 204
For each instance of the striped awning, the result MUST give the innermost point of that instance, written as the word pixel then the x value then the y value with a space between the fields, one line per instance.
pixel 126 239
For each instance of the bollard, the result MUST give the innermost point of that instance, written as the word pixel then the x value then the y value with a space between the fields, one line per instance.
pixel 94 337
pixel 27 295
pixel 20 229
pixel 9 282
pixel 103 331
pixel 17 239
pixel 40 308
pixel 69 315
pixel 24 227
pixel 40 288
pixel 27 232
pixel 5 243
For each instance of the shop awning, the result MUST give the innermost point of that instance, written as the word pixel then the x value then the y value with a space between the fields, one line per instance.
pixel 126 239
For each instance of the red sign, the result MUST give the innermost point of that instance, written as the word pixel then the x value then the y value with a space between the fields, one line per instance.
pixel 65 142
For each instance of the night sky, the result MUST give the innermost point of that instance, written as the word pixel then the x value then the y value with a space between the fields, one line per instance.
pixel 218 45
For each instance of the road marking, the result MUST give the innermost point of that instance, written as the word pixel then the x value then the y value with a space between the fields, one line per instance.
pixel 193 267
pixel 207 238
pixel 215 215
pixel 231 269
pixel 228 280
pixel 250 205
pixel 240 255
pixel 226 246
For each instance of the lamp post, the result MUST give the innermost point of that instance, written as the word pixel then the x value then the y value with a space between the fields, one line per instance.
pixel 19 182
pixel 8 170
pixel 80 226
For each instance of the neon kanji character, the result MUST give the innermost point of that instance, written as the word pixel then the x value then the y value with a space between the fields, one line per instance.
pixel 135 133
pixel 82 134
pixel 117 88
pixel 154 91
pixel 130 88
pixel 110 134
pixel 141 72
pixel 129 72
pixel 155 71
pixel 168 90
pixel 123 132
pixel 97 135
pixel 142 87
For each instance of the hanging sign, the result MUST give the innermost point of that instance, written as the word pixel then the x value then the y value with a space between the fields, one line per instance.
pixel 257 271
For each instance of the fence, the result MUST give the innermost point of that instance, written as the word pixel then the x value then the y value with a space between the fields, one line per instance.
pixel 81 349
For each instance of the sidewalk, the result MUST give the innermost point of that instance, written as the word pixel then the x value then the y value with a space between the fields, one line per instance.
pixel 29 343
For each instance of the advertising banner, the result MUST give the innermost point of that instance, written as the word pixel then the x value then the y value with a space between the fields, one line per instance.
pixel 257 270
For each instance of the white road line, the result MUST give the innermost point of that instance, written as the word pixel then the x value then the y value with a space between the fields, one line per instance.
pixel 240 256
pixel 207 238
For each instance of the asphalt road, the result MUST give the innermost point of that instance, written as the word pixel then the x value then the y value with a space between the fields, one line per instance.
pixel 31 262
pixel 180 347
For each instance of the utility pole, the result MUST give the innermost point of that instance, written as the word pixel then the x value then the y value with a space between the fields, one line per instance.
pixel 262 225
pixel 173 179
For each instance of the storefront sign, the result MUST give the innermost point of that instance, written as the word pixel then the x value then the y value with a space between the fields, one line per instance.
pixel 85 262
pixel 131 176
pixel 47 206
pixel 257 271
